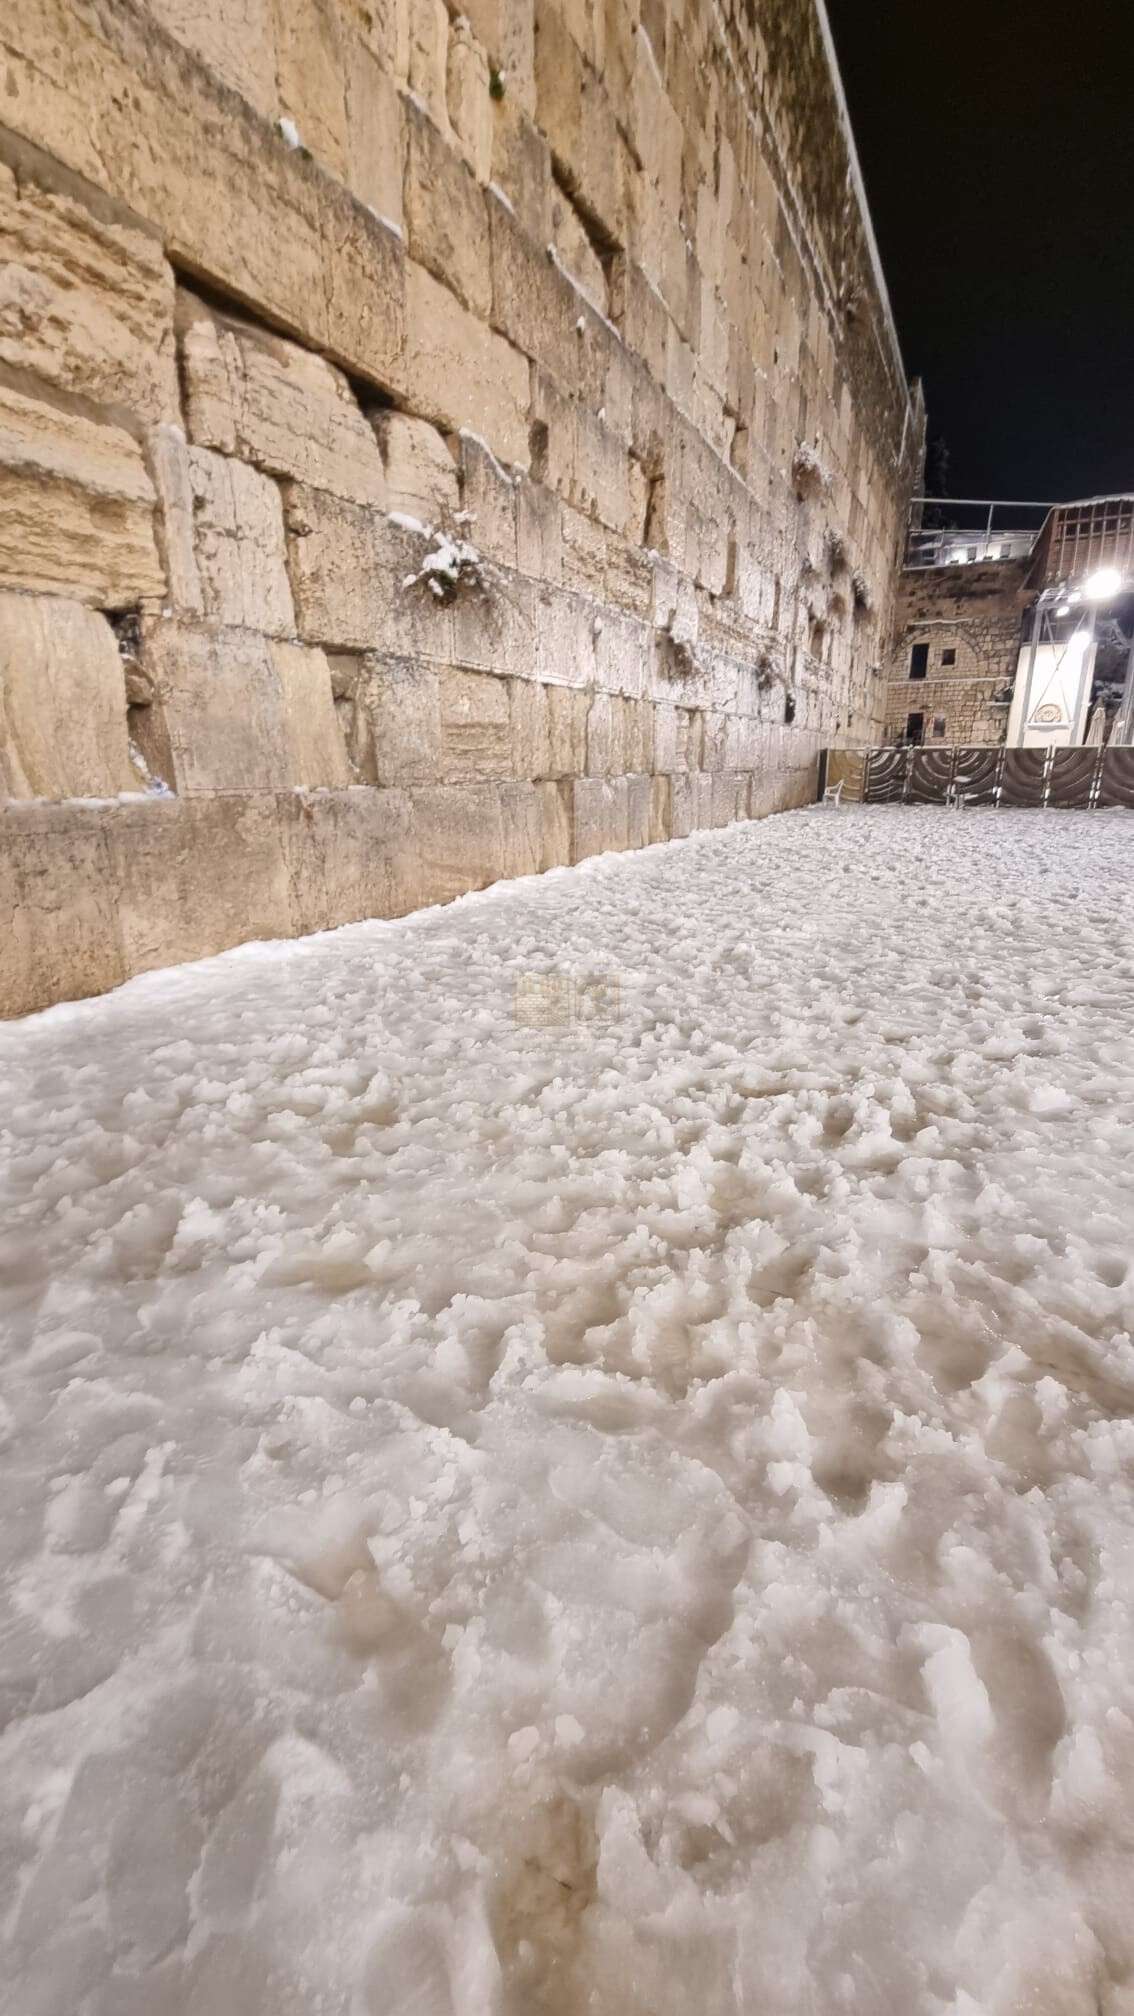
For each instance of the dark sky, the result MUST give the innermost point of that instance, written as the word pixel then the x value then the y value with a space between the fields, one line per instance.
pixel 997 144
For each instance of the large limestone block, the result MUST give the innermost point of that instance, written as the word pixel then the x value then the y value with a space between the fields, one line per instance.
pixel 420 473
pixel 59 927
pixel 655 128
pixel 690 738
pixel 384 26
pixel 317 757
pixel 521 167
pixel 348 854
pixel 584 554
pixel 270 402
pixel 194 876
pixel 586 22
pixel 601 483
pixel 460 839
pixel 111 95
pixel 600 812
pixel 567 711
pixel 622 371
pixel 505 29
pixel 574 111
pixel 488 494
pixel 691 802
pixel 399 709
pixel 349 570
pixel 310 68
pixel 495 631
pixel 446 221
pixel 169 466
pixel 680 372
pixel 576 255
pixel 223 704
pixel 621 654
pixel 475 729
pixel 516 52
pixel 85 303
pixel 715 752
pixel 375 133
pixel 76 507
pixel 470 106
pixel 600 751
pixel 665 737
pixel 107 92
pixel 639 800
pixel 658 244
pixel 62 702
pixel 553 434
pixel 521 820
pixel 659 809
pixel 533 302
pixel 539 532
pixel 364 285
pixel 640 313
pixel 529 728
pixel 236 38
pixel 460 374
pixel 566 639
pixel 639 735
pixel 555 824
pixel 628 582
pixel 239 540
pixel 729 797
pixel 429 59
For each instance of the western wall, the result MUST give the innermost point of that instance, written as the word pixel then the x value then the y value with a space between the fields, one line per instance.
pixel 435 446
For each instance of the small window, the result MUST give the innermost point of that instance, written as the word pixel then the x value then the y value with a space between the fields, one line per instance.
pixel 915 728
pixel 919 661
pixel 939 728
pixel 949 655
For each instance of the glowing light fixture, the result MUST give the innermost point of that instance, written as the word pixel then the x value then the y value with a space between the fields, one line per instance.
pixel 1064 609
pixel 1103 586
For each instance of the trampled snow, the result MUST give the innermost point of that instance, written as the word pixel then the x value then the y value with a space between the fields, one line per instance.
pixel 632 1515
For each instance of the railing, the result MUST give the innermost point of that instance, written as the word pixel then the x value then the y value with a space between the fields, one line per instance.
pixel 964 530
pixel 1065 779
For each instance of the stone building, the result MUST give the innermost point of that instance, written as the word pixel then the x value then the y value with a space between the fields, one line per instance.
pixel 956 643
pixel 435 444
pixel 1022 636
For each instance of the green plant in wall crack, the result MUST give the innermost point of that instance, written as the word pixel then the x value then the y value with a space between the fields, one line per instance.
pixel 497 84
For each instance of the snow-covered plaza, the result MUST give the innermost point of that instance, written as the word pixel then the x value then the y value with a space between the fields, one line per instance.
pixel 572 1455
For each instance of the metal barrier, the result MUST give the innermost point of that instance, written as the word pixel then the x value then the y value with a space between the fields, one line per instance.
pixel 1053 779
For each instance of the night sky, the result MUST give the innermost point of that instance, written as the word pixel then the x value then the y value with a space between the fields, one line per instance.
pixel 997 144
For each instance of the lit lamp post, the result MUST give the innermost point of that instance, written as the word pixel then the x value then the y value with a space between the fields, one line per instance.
pixel 1099 588
pixel 1103 587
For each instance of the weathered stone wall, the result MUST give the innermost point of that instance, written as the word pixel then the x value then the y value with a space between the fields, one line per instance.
pixel 588 283
pixel 973 612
